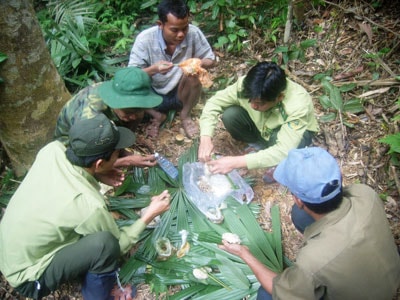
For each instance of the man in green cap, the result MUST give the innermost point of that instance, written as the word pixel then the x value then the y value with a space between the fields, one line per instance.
pixel 57 228
pixel 123 100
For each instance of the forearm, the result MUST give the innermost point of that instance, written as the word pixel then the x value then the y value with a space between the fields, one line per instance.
pixel 264 275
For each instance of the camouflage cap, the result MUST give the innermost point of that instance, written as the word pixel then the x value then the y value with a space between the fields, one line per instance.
pixel 89 137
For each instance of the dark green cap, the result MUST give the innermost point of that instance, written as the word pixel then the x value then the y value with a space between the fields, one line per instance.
pixel 98 135
pixel 130 88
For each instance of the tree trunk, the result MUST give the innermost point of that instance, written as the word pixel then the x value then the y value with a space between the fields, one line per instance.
pixel 32 93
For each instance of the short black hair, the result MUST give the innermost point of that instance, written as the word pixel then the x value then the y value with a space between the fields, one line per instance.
pixel 86 161
pixel 264 81
pixel 330 205
pixel 178 8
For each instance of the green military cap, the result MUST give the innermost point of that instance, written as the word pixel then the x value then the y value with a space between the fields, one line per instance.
pixel 89 137
pixel 130 88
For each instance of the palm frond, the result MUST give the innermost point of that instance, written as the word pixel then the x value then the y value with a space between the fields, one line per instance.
pixel 230 277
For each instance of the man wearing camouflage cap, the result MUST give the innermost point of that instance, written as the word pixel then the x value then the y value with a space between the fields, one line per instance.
pixel 56 227
pixel 123 100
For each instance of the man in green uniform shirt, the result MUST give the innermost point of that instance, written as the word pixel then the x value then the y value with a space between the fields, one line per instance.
pixel 264 109
pixel 348 250
pixel 57 228
pixel 123 100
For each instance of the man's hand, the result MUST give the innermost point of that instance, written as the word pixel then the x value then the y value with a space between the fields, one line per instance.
pixel 136 160
pixel 235 249
pixel 158 205
pixel 226 164
pixel 114 177
pixel 164 67
pixel 206 149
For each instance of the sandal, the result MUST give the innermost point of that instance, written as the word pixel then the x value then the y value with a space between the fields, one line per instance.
pixel 190 127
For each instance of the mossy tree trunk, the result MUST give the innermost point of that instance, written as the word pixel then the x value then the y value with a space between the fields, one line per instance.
pixel 32 93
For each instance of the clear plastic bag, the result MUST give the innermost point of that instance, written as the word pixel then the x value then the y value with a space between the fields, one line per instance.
pixel 208 191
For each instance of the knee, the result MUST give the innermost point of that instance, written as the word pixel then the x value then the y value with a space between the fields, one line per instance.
pixel 191 82
pixel 230 114
pixel 106 243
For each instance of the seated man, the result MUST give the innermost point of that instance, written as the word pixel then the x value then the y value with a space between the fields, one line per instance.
pixel 158 50
pixel 56 227
pixel 264 109
pixel 123 100
pixel 348 250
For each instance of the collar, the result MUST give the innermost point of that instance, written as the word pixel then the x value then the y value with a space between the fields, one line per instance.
pixel 90 178
pixel 328 220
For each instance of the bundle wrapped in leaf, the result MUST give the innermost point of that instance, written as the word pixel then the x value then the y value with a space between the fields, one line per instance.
pixel 192 67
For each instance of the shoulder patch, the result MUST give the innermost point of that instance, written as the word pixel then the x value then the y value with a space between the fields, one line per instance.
pixel 294 124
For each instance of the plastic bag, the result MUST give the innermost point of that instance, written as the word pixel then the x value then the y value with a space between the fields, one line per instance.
pixel 208 191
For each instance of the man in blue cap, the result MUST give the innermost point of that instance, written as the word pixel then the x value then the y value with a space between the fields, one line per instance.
pixel 348 250
pixel 123 100
pixel 57 228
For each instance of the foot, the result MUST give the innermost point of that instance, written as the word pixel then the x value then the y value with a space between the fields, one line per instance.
pixel 190 127
pixel 153 128
pixel 268 176
pixel 126 293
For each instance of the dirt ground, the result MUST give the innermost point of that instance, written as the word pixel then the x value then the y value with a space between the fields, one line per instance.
pixel 349 32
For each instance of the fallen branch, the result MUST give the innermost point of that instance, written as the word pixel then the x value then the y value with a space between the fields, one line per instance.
pixel 379 82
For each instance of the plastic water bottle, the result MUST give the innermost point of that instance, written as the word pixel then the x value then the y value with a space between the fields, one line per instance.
pixel 166 165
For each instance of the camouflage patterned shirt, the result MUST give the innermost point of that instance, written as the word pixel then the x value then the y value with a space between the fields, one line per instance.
pixel 84 105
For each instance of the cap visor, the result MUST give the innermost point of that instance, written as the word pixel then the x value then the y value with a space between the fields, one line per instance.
pixel 126 138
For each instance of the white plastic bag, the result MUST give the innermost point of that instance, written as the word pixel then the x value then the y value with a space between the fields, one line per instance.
pixel 208 191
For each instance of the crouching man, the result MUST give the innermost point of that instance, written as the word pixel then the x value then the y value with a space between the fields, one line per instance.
pixel 348 250
pixel 57 228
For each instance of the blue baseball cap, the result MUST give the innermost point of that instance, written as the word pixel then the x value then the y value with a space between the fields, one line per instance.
pixel 307 171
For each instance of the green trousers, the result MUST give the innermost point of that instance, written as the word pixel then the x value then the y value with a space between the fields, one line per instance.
pixel 97 253
pixel 241 127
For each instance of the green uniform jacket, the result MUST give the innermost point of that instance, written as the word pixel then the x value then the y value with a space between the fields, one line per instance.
pixel 348 254
pixel 295 116
pixel 55 205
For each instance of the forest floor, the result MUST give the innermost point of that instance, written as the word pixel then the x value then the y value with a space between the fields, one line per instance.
pixel 351 41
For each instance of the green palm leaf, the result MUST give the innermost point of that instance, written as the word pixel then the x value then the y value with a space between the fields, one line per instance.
pixel 230 278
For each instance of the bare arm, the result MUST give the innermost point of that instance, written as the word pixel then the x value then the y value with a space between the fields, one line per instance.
pixel 264 275
pixel 161 67
pixel 136 160
pixel 206 148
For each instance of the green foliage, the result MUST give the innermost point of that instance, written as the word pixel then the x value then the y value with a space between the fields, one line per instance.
pixel 333 102
pixel 233 20
pixel 374 60
pixel 77 41
pixel 8 186
pixel 3 57
pixel 295 51
pixel 393 140
pixel 227 276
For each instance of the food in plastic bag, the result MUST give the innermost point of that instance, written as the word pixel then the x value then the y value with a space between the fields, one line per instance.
pixel 208 191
